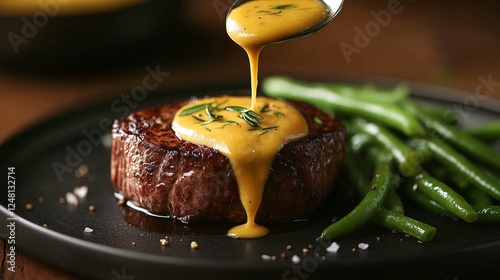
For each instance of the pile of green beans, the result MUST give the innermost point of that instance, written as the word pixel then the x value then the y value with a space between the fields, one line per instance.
pixel 409 152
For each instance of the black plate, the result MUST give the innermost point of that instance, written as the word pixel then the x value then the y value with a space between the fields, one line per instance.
pixel 125 243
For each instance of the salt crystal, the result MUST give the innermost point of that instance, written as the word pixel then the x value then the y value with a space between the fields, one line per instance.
pixel 266 257
pixel 333 248
pixel 81 191
pixel 363 246
pixel 88 230
pixel 71 198
pixel 295 259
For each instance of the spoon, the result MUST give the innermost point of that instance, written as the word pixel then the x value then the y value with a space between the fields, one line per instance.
pixel 333 7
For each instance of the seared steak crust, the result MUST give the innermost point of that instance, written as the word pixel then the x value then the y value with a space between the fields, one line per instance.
pixel 155 170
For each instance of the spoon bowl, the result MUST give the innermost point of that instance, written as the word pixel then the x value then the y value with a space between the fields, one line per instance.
pixel 333 8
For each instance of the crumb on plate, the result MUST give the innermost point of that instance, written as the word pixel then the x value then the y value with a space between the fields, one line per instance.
pixel 164 241
pixel 88 230
pixel 333 248
pixel 363 246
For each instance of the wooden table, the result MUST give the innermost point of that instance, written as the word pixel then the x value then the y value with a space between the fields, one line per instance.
pixel 455 45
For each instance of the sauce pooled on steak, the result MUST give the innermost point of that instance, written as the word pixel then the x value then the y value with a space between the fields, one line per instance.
pixel 249 139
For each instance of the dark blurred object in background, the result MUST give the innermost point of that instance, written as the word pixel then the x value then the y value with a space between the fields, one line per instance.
pixel 50 42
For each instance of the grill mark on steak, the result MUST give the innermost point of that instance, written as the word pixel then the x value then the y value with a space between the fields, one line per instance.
pixel 157 171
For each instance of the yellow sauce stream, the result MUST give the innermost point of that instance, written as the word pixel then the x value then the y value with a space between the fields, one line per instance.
pixel 258 23
pixel 250 152
pixel 254 25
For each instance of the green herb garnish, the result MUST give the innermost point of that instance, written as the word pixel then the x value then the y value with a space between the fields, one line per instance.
pixel 247 115
pixel 283 6
pixel 264 129
pixel 277 9
pixel 194 109
pixel 267 109
pixel 211 109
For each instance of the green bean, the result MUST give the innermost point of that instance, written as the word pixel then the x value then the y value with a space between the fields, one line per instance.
pixel 394 203
pixel 423 153
pixel 419 198
pixel 489 132
pixel 476 197
pixel 446 115
pixel 370 92
pixel 488 214
pixel 354 172
pixel 485 213
pixel 359 141
pixel 442 174
pixel 407 159
pixel 331 101
pixel 458 180
pixel 458 163
pixel 445 196
pixel 458 138
pixel 360 181
pixel 369 205
pixel 404 224
pixel 392 218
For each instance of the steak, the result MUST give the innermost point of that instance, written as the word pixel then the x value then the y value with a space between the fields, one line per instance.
pixel 155 170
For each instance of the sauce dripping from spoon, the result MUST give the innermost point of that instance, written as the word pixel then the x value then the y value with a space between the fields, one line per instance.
pixel 255 24
pixel 220 122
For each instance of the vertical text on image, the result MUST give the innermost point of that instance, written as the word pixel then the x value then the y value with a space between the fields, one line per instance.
pixel 11 220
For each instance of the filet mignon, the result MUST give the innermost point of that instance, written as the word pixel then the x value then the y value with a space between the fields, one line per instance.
pixel 152 168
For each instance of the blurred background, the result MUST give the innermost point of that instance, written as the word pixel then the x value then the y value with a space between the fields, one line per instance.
pixel 59 54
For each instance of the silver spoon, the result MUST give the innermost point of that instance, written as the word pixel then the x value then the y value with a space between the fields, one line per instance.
pixel 334 7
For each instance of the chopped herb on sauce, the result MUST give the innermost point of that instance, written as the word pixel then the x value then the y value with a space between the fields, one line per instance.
pixel 283 6
pixel 211 108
